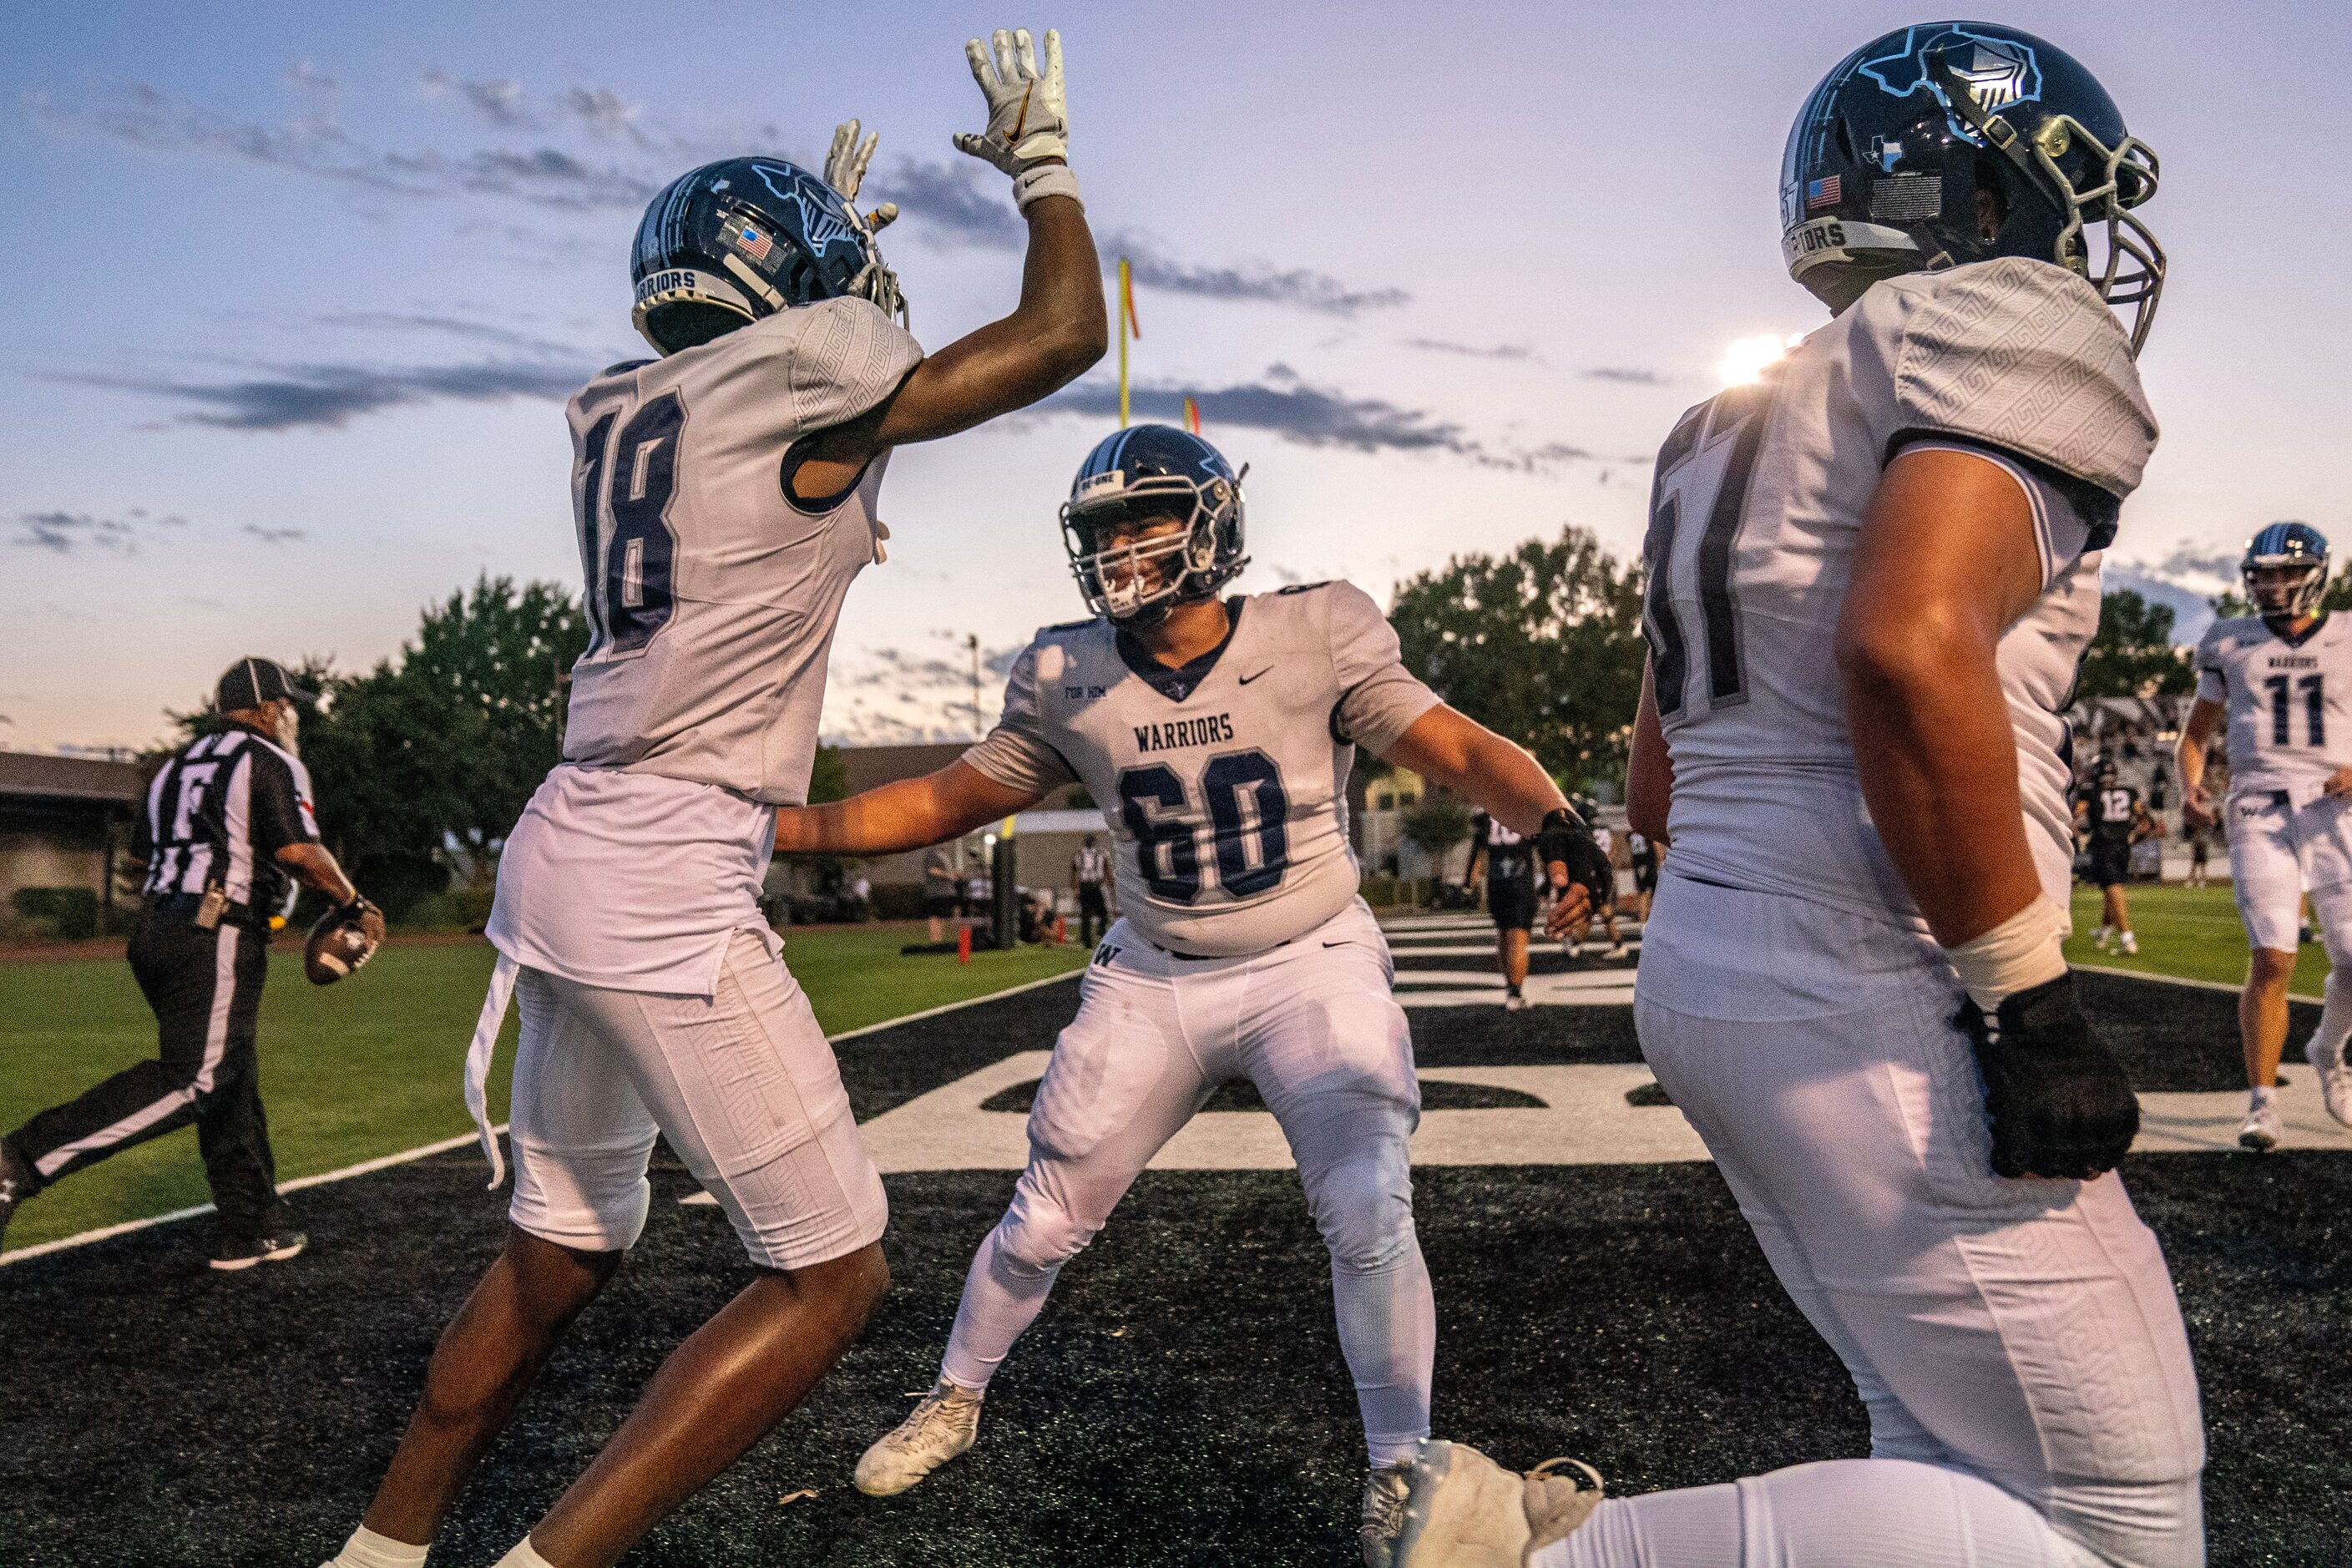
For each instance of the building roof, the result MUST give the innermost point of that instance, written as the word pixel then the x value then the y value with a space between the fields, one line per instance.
pixel 34 775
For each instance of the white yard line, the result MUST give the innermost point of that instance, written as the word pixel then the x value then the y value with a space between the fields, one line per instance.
pixel 18 1254
pixel 2179 980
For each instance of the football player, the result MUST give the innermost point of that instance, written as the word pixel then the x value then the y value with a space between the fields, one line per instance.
pixel 2282 678
pixel 1219 733
pixel 726 498
pixel 2115 818
pixel 1870 576
pixel 1511 899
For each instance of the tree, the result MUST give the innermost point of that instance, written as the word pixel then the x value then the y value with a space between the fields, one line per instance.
pixel 1438 824
pixel 1542 645
pixel 2132 654
pixel 446 742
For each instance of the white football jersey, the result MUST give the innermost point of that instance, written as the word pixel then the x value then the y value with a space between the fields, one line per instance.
pixel 1224 784
pixel 1755 513
pixel 711 595
pixel 2289 700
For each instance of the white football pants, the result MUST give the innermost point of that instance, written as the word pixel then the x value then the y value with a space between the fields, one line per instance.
pixel 2275 852
pixel 1312 1024
pixel 2017 1343
pixel 741 1082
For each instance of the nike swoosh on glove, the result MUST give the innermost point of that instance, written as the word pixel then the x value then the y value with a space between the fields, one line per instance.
pixel 2057 1099
pixel 1564 839
pixel 1028 109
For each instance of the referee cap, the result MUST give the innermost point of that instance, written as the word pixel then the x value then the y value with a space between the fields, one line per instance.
pixel 251 682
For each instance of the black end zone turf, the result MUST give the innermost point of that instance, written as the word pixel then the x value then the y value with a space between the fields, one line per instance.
pixel 1181 1400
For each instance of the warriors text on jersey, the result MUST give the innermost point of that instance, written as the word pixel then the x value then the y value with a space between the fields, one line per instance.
pixel 1223 783
pixel 712 599
pixel 2289 701
pixel 1755 515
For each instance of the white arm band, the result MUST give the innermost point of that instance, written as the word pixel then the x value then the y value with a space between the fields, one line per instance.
pixel 1042 180
pixel 2016 955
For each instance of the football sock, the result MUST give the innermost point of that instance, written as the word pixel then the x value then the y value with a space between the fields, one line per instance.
pixel 1388 1331
pixel 2336 1017
pixel 1860 1512
pixel 1001 1297
pixel 2263 1097
pixel 366 1549
pixel 523 1556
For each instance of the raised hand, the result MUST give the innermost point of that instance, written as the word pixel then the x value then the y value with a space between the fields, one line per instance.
pixel 1028 111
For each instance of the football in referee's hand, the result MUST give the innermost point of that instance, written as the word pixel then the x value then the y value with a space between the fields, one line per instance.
pixel 345 938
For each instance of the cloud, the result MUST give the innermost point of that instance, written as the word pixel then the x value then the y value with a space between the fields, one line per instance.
pixel 1472 351
pixel 1624 375
pixel 144 118
pixel 314 397
pixel 63 532
pixel 472 330
pixel 276 535
pixel 1284 405
pixel 962 205
pixel 307 75
pixel 499 103
pixel 1255 282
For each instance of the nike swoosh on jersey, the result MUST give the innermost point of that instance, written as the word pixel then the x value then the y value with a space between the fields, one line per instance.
pixel 1246 679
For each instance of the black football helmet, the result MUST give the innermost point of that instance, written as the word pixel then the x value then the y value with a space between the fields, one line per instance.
pixel 1885 164
pixel 2285 571
pixel 1153 471
pixel 731 242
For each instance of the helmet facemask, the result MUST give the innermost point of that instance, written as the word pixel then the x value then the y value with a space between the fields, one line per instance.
pixel 2284 588
pixel 2105 184
pixel 1137 580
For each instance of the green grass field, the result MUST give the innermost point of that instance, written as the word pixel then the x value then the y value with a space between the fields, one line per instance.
pixel 2191 933
pixel 371 1066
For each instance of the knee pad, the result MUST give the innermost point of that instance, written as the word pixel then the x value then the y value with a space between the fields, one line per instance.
pixel 588 1200
pixel 1037 1236
pixel 1363 1207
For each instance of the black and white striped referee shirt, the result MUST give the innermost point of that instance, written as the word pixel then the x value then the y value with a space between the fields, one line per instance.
pixel 219 812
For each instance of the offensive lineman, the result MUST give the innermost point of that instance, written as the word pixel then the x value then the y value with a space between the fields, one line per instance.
pixel 726 493
pixel 1870 575
pixel 2283 678
pixel 1220 735
pixel 2115 818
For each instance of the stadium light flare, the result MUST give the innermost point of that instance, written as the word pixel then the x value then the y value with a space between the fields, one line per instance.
pixel 1745 359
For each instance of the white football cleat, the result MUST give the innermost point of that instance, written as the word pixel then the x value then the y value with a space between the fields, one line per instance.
pixel 1466 1511
pixel 1514 1002
pixel 2099 935
pixel 2334 1080
pixel 1616 949
pixel 2130 942
pixel 2260 1131
pixel 945 1424
pixel 1383 1513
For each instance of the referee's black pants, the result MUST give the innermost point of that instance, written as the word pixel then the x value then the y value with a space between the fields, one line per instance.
pixel 1094 912
pixel 205 989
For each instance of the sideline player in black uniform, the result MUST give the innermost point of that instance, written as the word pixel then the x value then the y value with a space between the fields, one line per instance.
pixel 2116 819
pixel 229 827
pixel 1088 869
pixel 1510 898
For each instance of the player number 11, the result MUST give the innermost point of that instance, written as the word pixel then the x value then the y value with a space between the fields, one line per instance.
pixel 2314 708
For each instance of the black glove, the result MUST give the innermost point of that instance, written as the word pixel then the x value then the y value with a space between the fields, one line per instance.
pixel 1564 839
pixel 2057 1099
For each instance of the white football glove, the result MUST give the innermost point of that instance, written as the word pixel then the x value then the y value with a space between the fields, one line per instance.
pixel 845 170
pixel 1028 114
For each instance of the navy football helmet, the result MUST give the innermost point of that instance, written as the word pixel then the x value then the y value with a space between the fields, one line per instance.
pixel 729 243
pixel 2295 555
pixel 1887 160
pixel 1153 471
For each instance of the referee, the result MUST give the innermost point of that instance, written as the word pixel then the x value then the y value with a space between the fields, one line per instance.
pixel 229 826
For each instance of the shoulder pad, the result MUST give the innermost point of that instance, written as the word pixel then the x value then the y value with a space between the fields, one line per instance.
pixel 623 368
pixel 1067 627
pixel 1303 587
